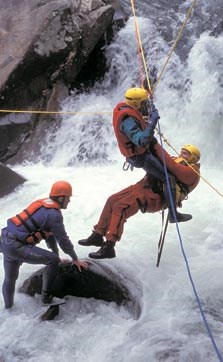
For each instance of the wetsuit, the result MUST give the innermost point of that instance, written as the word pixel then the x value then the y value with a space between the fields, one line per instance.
pixel 18 247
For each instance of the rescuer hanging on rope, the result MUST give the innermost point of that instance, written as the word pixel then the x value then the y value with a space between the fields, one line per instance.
pixel 146 196
pixel 135 136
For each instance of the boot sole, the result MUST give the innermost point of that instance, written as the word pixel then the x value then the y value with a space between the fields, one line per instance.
pixel 99 257
pixel 83 243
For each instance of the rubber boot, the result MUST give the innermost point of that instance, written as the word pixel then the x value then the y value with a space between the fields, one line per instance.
pixel 46 297
pixel 49 299
pixel 94 239
pixel 107 251
pixel 179 217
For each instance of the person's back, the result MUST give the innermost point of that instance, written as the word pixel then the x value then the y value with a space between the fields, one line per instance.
pixel 41 215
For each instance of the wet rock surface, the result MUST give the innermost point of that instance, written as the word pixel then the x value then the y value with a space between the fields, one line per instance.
pixel 9 180
pixel 43 44
pixel 97 282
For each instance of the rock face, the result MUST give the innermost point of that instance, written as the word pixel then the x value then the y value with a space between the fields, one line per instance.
pixel 96 282
pixel 38 36
pixel 43 43
pixel 9 180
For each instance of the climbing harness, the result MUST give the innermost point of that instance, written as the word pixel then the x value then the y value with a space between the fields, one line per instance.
pixel 126 166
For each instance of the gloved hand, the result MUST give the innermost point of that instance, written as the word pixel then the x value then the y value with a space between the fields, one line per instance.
pixel 152 144
pixel 154 117
pixel 153 107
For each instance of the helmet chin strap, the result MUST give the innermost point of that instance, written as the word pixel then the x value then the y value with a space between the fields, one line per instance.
pixel 60 201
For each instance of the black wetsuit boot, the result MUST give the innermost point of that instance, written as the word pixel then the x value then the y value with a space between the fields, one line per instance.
pixel 179 217
pixel 46 297
pixel 107 251
pixel 94 239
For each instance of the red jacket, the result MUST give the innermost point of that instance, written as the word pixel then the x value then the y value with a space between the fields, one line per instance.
pixel 127 148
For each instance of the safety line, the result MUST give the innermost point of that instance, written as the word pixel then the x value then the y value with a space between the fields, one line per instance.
pixel 185 257
pixel 141 48
pixel 175 43
pixel 51 112
pixel 171 51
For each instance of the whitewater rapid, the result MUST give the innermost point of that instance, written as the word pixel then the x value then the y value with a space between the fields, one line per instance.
pixel 170 328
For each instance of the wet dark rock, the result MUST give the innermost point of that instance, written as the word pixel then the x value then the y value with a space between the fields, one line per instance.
pixel 9 180
pixel 43 43
pixel 97 282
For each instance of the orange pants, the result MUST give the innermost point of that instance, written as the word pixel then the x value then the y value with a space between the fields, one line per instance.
pixel 124 204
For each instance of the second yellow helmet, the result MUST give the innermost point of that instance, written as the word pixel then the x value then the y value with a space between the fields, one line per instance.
pixel 194 151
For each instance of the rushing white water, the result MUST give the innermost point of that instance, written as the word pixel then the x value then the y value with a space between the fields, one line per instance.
pixel 170 328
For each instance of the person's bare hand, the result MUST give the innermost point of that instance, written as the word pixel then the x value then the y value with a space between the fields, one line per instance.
pixel 80 264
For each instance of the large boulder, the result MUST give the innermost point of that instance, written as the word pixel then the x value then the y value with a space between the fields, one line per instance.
pixel 43 43
pixel 40 39
pixel 97 282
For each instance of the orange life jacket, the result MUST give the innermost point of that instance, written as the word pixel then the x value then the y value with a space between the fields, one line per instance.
pixel 183 190
pixel 127 148
pixel 20 219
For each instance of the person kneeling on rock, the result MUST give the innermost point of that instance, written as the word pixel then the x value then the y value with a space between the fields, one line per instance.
pixel 147 196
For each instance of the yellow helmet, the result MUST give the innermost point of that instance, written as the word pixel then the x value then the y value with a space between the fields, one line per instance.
pixel 135 96
pixel 194 151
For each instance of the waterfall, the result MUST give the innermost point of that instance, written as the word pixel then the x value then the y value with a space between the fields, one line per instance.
pixel 188 95
pixel 83 150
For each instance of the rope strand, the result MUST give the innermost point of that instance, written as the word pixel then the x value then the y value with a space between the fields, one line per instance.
pixel 176 42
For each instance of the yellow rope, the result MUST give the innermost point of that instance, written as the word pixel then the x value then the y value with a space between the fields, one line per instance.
pixel 51 112
pixel 176 41
pixel 172 49
pixel 140 44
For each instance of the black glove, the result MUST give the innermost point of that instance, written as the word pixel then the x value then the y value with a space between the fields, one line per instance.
pixel 152 143
pixel 154 117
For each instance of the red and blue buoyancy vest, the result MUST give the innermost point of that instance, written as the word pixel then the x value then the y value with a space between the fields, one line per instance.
pixel 21 219
pixel 127 148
